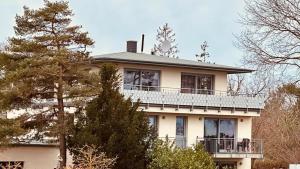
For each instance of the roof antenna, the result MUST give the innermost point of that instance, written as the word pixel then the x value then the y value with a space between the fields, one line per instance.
pixel 142 47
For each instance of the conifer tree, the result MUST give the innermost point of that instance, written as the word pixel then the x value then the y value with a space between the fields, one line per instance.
pixel 43 73
pixel 113 123
pixel 165 45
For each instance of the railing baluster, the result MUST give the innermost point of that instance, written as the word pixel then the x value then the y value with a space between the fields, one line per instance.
pixel 163 100
pixel 148 98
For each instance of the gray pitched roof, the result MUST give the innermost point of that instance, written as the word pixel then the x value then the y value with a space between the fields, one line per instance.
pixel 147 59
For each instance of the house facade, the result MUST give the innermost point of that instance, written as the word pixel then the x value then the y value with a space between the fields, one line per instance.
pixel 188 103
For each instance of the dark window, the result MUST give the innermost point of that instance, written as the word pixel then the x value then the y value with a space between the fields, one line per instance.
pixel 205 84
pixel 188 84
pixel 211 127
pixel 180 126
pixel 152 121
pixel 141 80
pixel 132 79
pixel 150 80
pixel 219 128
pixel 11 164
pixel 200 84
pixel 220 132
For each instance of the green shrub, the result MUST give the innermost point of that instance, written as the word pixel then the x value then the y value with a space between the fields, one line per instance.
pixel 165 155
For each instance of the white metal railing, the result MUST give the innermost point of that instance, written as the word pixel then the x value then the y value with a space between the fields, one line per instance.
pixel 192 97
pixel 231 145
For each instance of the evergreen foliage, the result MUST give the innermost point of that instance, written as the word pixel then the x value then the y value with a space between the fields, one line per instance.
pixel 165 37
pixel 115 124
pixel 43 71
pixel 9 130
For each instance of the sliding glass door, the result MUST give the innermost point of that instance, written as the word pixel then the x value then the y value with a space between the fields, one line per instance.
pixel 220 134
pixel 180 131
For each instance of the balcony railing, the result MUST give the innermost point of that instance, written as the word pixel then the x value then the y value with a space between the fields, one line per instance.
pixel 231 145
pixel 192 97
pixel 223 147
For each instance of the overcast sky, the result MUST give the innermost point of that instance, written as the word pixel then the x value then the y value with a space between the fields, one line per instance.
pixel 112 22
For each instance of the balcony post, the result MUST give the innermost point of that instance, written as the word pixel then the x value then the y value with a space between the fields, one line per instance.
pixel 192 108
pixel 148 97
pixel 178 100
pixel 220 98
pixel 163 100
pixel 206 103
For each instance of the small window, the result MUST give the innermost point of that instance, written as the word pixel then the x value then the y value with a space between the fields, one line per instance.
pixel 141 80
pixel 11 164
pixel 153 121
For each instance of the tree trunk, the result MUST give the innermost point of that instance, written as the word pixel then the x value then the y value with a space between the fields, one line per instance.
pixel 61 123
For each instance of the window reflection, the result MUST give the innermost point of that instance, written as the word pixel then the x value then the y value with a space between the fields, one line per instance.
pixel 132 79
pixel 180 126
pixel 152 121
pixel 200 84
pixel 141 80
pixel 219 128
pixel 221 133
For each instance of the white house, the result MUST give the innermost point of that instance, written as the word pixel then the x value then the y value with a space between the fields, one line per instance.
pixel 187 101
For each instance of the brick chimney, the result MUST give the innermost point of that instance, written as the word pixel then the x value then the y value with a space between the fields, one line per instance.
pixel 131 46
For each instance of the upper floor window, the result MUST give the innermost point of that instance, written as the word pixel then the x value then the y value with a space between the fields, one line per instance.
pixel 141 79
pixel 199 84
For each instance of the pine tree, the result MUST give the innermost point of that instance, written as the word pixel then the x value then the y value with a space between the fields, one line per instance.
pixel 165 45
pixel 114 123
pixel 44 72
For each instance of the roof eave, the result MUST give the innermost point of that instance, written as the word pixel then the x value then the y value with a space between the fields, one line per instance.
pixel 228 70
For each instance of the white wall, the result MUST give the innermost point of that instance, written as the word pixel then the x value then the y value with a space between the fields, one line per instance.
pixel 34 157
pixel 244 163
pixel 244 127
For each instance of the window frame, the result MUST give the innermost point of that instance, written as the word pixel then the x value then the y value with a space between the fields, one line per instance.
pixel 196 76
pixel 156 121
pixel 140 87
pixel 218 128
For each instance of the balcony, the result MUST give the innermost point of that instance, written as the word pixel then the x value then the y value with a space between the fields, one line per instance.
pixel 232 147
pixel 192 98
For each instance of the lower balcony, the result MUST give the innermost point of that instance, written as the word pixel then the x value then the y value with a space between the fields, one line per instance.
pixel 232 147
pixel 224 147
pixel 193 98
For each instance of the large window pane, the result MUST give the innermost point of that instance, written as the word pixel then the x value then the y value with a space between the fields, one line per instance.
pixel 227 134
pixel 188 84
pixel 132 79
pixel 227 128
pixel 211 127
pixel 150 80
pixel 204 84
pixel 180 139
pixel 180 126
pixel 141 80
